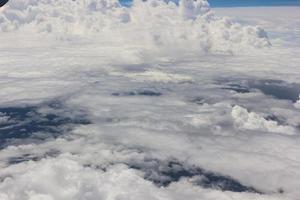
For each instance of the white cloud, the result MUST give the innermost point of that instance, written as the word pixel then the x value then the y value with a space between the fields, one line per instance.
pixel 80 53
pixel 252 121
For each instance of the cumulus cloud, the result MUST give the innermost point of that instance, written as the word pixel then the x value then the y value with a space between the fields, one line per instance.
pixel 297 104
pixel 159 26
pixel 139 111
pixel 253 121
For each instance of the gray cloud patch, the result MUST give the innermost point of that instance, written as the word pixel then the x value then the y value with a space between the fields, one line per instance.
pixel 138 93
pixel 279 89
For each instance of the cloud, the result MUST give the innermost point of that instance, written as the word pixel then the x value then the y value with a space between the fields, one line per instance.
pixel 139 90
pixel 252 121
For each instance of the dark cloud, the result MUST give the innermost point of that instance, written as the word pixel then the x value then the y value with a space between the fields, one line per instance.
pixel 3 2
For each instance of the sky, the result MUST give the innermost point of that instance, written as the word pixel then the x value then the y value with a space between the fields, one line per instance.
pixel 235 3
pixel 243 3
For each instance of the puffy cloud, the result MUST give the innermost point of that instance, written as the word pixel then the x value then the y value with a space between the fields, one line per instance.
pixel 164 62
pixel 162 27
pixel 252 121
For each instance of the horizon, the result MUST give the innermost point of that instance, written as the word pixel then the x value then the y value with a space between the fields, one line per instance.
pixel 238 3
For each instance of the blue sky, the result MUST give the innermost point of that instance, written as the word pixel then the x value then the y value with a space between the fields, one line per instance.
pixel 236 3
pixel 232 3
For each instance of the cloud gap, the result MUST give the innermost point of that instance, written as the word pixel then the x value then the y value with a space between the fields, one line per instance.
pixel 27 124
pixel 163 173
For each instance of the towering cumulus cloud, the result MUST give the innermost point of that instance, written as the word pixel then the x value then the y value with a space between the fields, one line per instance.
pixel 154 24
pixel 156 101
